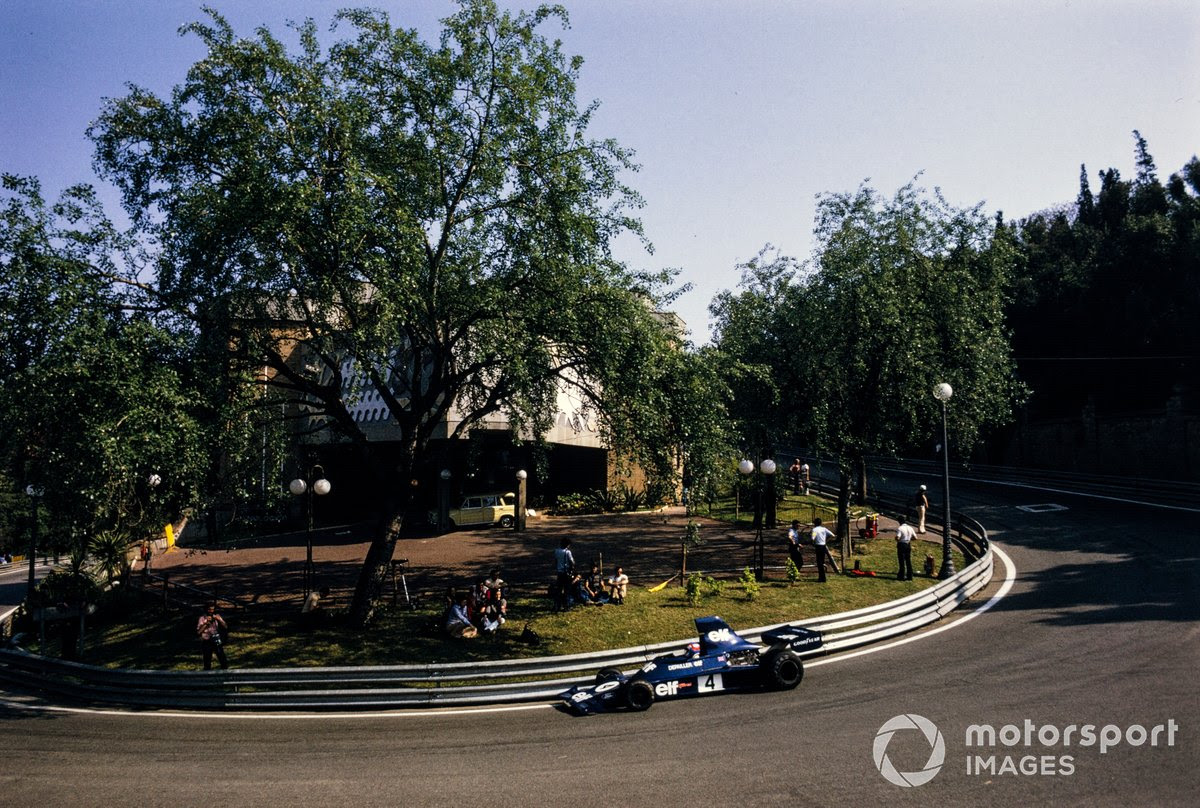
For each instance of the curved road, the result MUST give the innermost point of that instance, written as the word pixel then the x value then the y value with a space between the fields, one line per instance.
pixel 1099 628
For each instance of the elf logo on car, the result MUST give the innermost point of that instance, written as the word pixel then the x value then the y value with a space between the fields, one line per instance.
pixel 666 689
pixel 720 635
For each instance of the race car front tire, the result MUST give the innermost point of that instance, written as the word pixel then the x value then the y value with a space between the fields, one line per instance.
pixel 782 669
pixel 639 696
pixel 607 675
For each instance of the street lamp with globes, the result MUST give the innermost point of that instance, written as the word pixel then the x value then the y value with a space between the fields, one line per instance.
pixel 318 485
pixel 766 469
pixel 942 392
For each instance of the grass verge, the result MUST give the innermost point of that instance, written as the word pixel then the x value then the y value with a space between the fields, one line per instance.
pixel 134 636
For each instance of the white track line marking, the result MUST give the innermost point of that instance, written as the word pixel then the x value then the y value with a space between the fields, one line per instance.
pixel 1009 579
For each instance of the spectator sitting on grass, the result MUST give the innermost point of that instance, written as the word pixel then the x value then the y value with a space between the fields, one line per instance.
pixel 314 609
pixel 617 585
pixel 492 604
pixel 494 598
pixel 577 593
pixel 594 586
pixel 458 624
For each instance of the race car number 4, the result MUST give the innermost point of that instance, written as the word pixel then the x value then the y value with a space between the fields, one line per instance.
pixel 709 684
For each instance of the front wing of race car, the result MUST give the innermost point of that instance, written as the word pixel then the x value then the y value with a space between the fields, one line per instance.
pixel 601 697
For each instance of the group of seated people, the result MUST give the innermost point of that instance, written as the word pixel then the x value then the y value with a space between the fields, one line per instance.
pixel 596 590
pixel 483 607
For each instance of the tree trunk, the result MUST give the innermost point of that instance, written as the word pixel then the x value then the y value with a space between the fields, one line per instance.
pixel 377 564
pixel 374 572
pixel 843 517
pixel 860 483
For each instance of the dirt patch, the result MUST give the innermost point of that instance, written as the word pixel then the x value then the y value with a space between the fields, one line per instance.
pixel 647 544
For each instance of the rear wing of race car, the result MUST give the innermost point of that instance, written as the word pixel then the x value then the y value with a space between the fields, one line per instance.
pixel 797 638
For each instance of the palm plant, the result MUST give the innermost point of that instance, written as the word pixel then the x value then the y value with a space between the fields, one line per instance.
pixel 110 553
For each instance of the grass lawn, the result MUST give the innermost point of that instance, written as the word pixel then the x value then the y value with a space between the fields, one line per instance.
pixel 150 638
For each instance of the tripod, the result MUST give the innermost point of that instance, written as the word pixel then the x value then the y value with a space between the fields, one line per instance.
pixel 398 569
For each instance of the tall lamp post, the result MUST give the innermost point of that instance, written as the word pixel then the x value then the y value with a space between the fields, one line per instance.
pixel 318 485
pixel 519 520
pixel 942 392
pixel 35 494
pixel 766 469
pixel 443 512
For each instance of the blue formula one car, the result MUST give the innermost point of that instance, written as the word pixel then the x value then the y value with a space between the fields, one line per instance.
pixel 720 661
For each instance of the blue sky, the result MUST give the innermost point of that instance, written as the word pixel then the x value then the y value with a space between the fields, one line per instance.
pixel 740 112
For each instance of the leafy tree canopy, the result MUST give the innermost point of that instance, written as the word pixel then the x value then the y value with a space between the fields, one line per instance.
pixel 902 293
pixel 428 223
pixel 90 402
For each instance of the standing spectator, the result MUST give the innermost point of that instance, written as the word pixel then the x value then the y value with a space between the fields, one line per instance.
pixel 617 585
pixel 920 506
pixel 804 477
pixel 794 551
pixel 209 628
pixel 820 537
pixel 904 536
pixel 146 552
pixel 794 472
pixel 564 566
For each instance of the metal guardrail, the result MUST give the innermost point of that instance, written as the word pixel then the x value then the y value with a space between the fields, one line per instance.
pixel 502 681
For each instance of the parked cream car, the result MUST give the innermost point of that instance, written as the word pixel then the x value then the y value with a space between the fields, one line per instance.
pixel 483 509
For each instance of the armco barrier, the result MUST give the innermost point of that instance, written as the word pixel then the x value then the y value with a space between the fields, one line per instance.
pixel 400 686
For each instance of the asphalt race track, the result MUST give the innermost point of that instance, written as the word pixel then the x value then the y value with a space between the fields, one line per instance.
pixel 1100 627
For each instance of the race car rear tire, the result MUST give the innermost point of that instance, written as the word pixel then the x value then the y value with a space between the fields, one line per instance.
pixel 639 696
pixel 782 669
pixel 607 675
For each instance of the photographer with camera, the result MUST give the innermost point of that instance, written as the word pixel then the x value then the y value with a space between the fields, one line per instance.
pixel 211 629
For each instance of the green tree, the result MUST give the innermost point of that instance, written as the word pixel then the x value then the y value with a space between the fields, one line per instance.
pixel 428 223
pixel 91 405
pixel 755 330
pixel 1131 253
pixel 902 293
pixel 758 332
pixel 909 292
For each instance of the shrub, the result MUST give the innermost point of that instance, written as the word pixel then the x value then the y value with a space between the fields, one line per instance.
pixel 700 586
pixel 600 501
pixel 793 572
pixel 657 492
pixel 630 500
pixel 749 584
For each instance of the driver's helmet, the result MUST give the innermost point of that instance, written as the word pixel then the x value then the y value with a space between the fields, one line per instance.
pixel 693 648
